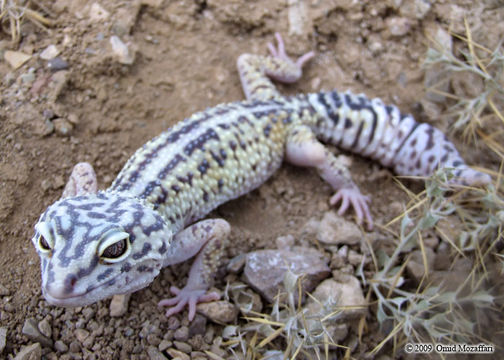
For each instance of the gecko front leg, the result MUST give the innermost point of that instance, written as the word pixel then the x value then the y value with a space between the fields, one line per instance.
pixel 207 239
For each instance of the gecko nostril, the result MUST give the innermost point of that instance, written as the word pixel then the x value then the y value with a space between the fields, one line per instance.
pixel 70 282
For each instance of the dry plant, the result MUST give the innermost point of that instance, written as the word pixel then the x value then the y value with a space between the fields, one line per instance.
pixel 289 331
pixel 430 312
pixel 14 12
pixel 474 111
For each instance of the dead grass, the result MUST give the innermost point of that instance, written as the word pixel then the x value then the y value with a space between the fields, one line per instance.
pixel 14 12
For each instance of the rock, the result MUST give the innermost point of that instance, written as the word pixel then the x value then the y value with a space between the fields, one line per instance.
pixel 60 346
pixel 88 312
pixel 153 339
pixel 30 352
pixel 3 338
pixel 97 13
pixel 121 51
pixel 81 335
pixel 299 20
pixel 182 346
pixel 197 326
pixel 449 229
pixel 354 258
pixel 335 230
pixel 398 26
pixel 155 354
pixel 57 64
pixel 181 334
pixel 30 329
pixel 74 347
pixel 57 83
pixel 467 84
pixel 220 312
pixel 443 41
pixel 49 52
pixel 415 266
pixel 341 293
pixel 247 300
pixel 236 264
pixel 265 269
pixel 63 127
pixel 284 242
pixel 415 9
pixel 4 291
pixel 16 58
pixel 119 305
pixel 125 19
pixel 152 3
pixel 45 328
pixel 178 355
pixel 164 344
pixel 28 77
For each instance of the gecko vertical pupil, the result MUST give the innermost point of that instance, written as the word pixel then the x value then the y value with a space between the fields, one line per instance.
pixel 115 250
pixel 43 243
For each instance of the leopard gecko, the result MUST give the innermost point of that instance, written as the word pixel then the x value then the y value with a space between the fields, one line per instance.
pixel 95 244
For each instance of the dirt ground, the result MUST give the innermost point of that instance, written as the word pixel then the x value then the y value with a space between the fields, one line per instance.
pixel 101 111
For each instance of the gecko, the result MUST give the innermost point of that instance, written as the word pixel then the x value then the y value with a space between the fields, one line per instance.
pixel 94 244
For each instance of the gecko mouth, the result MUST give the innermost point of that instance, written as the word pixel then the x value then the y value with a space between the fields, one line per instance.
pixel 89 296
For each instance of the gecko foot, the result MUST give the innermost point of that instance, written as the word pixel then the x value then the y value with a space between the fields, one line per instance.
pixel 358 201
pixel 279 52
pixel 189 297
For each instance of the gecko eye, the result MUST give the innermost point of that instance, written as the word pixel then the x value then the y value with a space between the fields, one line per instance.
pixel 43 239
pixel 115 247
pixel 43 244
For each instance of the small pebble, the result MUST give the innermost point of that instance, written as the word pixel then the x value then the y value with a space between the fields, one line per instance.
pixel 48 114
pixel 28 78
pixel 30 329
pixel 57 64
pixel 182 346
pixel 197 326
pixel 30 352
pixel 119 305
pixel 74 347
pixel 155 354
pixel 61 346
pixel 176 354
pixel 398 26
pixel 62 127
pixel 81 335
pixel 49 52
pixel 121 51
pixel 4 291
pixel 88 313
pixel 16 58
pixel 182 333
pixel 3 338
pixel 164 344
pixel 45 328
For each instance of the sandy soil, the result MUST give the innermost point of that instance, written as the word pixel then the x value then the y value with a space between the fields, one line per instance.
pixel 184 62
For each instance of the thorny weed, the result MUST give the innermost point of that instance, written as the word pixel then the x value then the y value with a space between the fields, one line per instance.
pixel 472 113
pixel 430 312
pixel 13 12
pixel 305 333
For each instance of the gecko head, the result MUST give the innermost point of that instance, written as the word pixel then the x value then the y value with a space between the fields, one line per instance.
pixel 98 245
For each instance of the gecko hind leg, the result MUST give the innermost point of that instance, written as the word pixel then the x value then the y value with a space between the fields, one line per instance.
pixel 303 149
pixel 294 69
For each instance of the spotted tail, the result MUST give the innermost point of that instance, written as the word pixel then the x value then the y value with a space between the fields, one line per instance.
pixel 381 132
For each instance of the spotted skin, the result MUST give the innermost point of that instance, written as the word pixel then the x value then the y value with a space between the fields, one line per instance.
pixel 94 244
